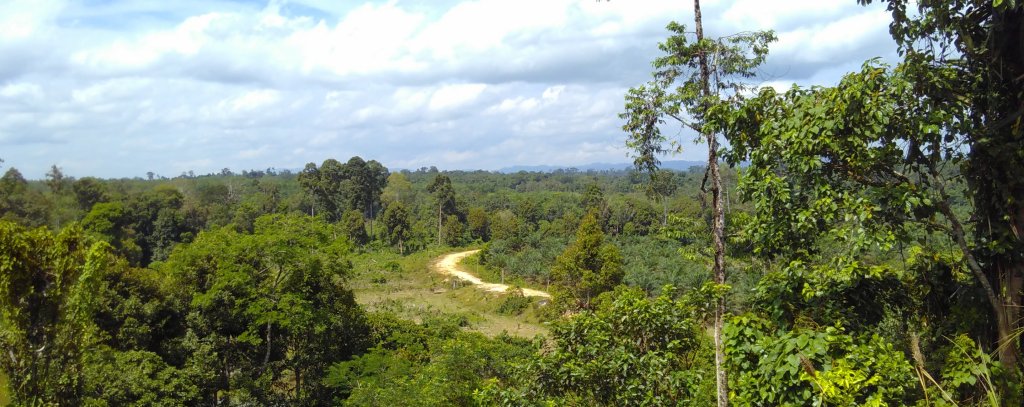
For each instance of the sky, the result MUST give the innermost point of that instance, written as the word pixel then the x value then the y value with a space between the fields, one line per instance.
pixel 120 88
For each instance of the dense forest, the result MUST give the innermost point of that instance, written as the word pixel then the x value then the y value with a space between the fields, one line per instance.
pixel 858 244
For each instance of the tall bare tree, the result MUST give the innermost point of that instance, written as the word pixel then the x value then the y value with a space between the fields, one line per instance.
pixel 693 84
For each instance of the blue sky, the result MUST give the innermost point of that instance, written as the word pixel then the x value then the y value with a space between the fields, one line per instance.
pixel 119 88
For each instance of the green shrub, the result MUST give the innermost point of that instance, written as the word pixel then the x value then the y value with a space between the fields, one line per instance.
pixel 515 302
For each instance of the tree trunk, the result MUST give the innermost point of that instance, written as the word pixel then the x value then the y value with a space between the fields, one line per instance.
pixel 266 355
pixel 718 221
pixel 298 384
pixel 1012 276
pixel 995 173
pixel 664 215
pixel 1005 297
pixel 227 385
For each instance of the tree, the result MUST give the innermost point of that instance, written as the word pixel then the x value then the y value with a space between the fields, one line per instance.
pixel 444 195
pixel 55 180
pixel 110 222
pixel 337 187
pixel 588 266
pixel 396 225
pixel 362 182
pixel 268 312
pixel 631 350
pixel 355 227
pixel 478 223
pixel 695 83
pixel 62 207
pixel 889 157
pixel 398 189
pixel 324 184
pixel 88 192
pixel 453 230
pixel 154 235
pixel 47 284
pixel 20 203
pixel 593 199
pixel 965 60
pixel 661 187
pixel 505 225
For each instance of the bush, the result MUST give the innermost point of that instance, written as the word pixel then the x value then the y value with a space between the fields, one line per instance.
pixel 515 302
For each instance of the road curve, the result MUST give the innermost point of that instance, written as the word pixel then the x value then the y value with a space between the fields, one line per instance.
pixel 449 265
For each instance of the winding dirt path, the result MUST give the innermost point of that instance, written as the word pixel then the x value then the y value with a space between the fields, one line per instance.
pixel 449 265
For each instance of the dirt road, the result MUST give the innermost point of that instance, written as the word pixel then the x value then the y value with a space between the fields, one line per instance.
pixel 449 265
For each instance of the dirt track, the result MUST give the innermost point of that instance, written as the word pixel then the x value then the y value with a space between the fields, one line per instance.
pixel 449 265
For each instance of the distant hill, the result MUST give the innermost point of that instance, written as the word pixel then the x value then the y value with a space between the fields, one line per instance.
pixel 671 165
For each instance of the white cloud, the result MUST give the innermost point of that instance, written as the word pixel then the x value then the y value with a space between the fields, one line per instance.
pixel 254 152
pixel 22 19
pixel 452 96
pixel 120 88
pixel 766 15
pixel 252 100
pixel 824 42
pixel 22 91
pixel 517 104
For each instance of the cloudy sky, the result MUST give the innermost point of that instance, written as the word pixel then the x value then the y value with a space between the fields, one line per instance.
pixel 119 88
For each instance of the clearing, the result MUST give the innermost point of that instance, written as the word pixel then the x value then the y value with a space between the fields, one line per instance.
pixel 418 287
pixel 449 264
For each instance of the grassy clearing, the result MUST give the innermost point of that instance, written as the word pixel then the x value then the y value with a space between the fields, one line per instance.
pixel 409 287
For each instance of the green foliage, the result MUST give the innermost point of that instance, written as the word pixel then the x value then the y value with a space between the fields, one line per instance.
pixel 134 378
pixel 632 217
pixel 396 225
pixel 398 190
pixel 661 187
pixel 355 227
pixel 588 266
pixel 631 350
pixel 973 377
pixel 193 328
pixel 650 264
pixel 55 180
pixel 337 187
pixel 505 225
pixel 432 364
pixel 268 310
pixel 529 256
pixel 363 182
pixel 19 203
pixel 47 283
pixel 809 202
pixel 444 198
pixel 891 156
pixel 514 303
pixel 477 222
pixel 88 191
pixel 808 366
pixel 854 295
pixel 593 199
pixel 677 89
pixel 452 231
